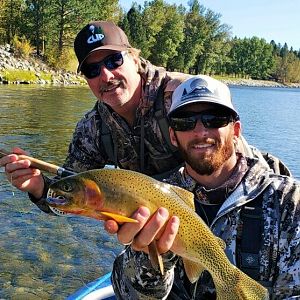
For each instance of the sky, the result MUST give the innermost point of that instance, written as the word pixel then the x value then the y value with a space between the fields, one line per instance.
pixel 277 20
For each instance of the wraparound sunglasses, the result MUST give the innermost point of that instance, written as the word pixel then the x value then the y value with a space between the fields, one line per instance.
pixel 111 62
pixel 209 118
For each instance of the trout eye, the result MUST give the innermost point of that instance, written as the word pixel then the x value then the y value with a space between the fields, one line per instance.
pixel 67 187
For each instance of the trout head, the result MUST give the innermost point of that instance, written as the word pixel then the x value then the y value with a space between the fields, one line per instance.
pixel 75 195
pixel 81 195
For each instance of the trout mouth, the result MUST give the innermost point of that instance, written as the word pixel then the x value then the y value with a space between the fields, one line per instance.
pixel 59 200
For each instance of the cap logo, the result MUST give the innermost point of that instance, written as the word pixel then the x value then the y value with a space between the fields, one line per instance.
pixel 197 88
pixel 96 35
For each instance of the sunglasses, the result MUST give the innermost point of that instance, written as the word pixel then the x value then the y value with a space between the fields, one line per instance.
pixel 111 62
pixel 211 119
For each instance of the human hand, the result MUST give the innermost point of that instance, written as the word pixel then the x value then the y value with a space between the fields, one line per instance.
pixel 139 235
pixel 21 175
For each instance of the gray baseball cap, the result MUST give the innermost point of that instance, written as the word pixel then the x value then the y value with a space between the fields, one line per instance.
pixel 201 89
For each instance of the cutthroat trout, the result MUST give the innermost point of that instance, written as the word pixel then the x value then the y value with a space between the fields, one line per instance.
pixel 115 194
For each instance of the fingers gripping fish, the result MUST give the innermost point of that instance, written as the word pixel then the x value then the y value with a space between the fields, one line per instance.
pixel 115 194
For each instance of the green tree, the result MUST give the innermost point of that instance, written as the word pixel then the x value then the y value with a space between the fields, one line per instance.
pixel 2 22
pixel 260 58
pixel 195 30
pixel 36 23
pixel 153 21
pixel 287 68
pixel 284 50
pixel 169 37
pixel 133 26
pixel 236 64
pixel 67 17
pixel 214 56
pixel 12 18
pixel 251 58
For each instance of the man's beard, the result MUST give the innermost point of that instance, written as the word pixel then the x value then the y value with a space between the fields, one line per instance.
pixel 207 164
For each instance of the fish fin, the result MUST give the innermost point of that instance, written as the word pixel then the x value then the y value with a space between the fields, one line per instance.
pixel 118 218
pixel 155 257
pixel 185 195
pixel 192 269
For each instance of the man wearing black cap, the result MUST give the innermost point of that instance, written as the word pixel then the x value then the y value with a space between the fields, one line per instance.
pixel 254 211
pixel 128 126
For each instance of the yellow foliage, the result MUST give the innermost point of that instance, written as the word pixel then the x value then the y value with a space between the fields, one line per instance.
pixel 22 47
pixel 18 75
pixel 66 61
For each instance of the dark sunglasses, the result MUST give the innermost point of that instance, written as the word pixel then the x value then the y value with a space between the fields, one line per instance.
pixel 111 62
pixel 210 119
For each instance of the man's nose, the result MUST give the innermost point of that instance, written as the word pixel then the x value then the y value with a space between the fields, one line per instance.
pixel 199 128
pixel 106 74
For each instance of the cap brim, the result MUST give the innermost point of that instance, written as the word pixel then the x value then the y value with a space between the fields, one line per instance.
pixel 106 47
pixel 203 100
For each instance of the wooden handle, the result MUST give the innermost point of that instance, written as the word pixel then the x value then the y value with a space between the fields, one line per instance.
pixel 35 163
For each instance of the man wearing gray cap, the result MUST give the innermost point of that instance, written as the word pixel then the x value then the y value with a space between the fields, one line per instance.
pixel 127 127
pixel 253 210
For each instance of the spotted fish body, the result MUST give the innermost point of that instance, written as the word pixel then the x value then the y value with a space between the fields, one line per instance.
pixel 120 192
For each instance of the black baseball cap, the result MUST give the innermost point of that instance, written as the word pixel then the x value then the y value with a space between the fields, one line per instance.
pixel 99 35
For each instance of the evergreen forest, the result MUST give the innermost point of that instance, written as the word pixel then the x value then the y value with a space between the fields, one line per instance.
pixel 187 39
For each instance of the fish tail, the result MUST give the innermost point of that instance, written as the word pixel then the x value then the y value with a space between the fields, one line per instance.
pixel 243 288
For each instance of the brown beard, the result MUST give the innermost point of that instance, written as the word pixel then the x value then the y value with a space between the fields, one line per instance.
pixel 207 164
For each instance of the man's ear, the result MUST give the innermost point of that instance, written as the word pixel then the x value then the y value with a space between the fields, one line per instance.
pixel 173 137
pixel 237 129
pixel 136 61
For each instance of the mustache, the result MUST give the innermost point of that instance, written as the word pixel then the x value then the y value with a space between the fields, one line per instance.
pixel 110 85
pixel 202 141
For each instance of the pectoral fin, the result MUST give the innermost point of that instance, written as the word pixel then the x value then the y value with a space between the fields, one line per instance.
pixel 118 218
pixel 192 270
pixel 155 257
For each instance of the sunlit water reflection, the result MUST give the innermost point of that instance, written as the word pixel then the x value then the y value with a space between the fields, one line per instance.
pixel 48 257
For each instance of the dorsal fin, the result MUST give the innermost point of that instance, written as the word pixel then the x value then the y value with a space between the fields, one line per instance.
pixel 185 195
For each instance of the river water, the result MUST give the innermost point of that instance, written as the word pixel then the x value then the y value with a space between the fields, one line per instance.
pixel 46 257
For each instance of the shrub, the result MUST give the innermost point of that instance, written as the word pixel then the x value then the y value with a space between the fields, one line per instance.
pixel 66 61
pixel 19 75
pixel 22 47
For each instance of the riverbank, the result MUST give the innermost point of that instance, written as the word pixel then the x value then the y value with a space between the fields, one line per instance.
pixel 33 70
pixel 14 70
pixel 258 83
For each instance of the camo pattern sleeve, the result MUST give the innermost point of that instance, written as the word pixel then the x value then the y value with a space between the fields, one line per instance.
pixel 85 149
pixel 133 277
pixel 287 282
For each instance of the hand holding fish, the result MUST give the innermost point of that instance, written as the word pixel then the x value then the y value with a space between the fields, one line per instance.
pixel 140 235
pixel 118 194
pixel 20 173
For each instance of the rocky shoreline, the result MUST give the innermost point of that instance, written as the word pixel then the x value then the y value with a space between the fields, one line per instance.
pixel 260 83
pixel 60 77
pixel 8 62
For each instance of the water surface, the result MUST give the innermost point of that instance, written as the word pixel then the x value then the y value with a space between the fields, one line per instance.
pixel 48 257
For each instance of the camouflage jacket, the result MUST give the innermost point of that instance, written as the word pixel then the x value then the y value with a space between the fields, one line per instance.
pixel 87 150
pixel 140 147
pixel 279 255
